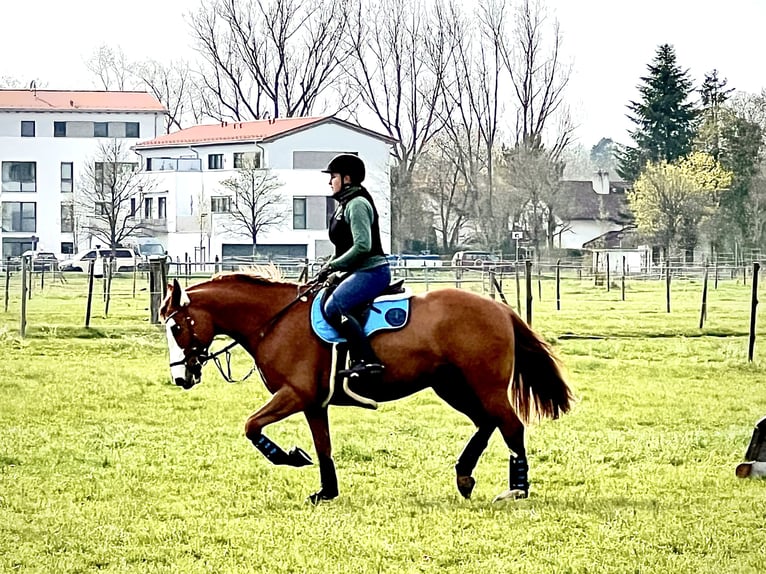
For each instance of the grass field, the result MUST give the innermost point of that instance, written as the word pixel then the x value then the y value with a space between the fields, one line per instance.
pixel 104 465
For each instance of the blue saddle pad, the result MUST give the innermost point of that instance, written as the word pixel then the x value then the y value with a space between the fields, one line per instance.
pixel 389 312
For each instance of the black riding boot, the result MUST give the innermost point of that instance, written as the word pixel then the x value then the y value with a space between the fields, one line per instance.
pixel 364 362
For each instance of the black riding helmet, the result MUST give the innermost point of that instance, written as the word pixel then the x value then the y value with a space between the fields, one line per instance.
pixel 347 164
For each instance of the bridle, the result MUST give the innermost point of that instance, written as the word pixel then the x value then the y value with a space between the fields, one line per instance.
pixel 203 357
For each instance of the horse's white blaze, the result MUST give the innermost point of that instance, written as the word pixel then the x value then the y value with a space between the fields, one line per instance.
pixel 176 353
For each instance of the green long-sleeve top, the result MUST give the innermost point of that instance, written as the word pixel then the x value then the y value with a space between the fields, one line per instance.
pixel 359 215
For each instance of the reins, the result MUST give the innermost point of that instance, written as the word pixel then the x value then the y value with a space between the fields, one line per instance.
pixel 264 329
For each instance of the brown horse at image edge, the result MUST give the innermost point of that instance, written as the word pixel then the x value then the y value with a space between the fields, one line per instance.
pixel 476 354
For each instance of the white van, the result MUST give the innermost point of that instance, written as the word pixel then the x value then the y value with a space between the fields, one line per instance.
pixel 125 260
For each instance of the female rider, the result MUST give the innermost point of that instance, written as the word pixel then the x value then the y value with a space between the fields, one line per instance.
pixel 355 233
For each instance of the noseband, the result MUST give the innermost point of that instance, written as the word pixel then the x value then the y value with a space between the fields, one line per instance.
pixel 204 357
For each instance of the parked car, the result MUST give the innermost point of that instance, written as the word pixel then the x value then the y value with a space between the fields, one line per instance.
pixel 473 258
pixel 125 259
pixel 43 260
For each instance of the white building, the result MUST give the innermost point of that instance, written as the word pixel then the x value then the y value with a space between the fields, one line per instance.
pixel 188 166
pixel 46 139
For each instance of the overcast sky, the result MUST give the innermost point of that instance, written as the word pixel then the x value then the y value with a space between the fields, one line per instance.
pixel 608 42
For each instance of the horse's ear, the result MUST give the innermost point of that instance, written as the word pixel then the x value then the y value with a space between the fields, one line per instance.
pixel 179 297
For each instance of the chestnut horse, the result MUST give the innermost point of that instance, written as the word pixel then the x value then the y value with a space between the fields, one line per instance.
pixel 473 352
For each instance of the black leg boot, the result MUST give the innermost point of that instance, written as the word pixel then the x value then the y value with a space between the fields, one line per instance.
pixel 364 362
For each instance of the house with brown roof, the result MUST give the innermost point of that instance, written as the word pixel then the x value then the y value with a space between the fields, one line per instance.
pixel 593 214
pixel 47 137
pixel 188 167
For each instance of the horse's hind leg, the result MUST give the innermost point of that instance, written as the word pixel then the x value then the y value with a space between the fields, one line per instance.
pixel 468 459
pixel 455 392
pixel 512 430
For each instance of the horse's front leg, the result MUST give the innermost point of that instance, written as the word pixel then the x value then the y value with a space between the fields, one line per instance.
pixel 282 404
pixel 320 431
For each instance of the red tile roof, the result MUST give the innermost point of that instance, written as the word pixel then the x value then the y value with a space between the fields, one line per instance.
pixel 70 101
pixel 258 130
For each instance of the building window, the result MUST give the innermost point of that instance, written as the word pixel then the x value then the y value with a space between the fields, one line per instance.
pixel 13 247
pixel 19 216
pixel 299 213
pixel 67 177
pixel 132 130
pixel 162 208
pixel 19 176
pixel 67 248
pixel 220 204
pixel 102 208
pixel 100 129
pixel 247 160
pixel 315 159
pixel 27 129
pixel 67 218
pixel 112 173
pixel 132 207
pixel 148 207
pixel 215 161
pixel 59 129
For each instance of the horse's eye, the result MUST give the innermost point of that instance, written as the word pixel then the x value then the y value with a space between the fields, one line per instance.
pixel 176 330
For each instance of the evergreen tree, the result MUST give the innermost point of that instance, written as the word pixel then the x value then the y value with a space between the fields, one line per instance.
pixel 713 95
pixel 665 118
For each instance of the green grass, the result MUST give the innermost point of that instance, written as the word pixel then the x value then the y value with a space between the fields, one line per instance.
pixel 104 465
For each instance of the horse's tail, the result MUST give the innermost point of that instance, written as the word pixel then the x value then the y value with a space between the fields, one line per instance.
pixel 538 385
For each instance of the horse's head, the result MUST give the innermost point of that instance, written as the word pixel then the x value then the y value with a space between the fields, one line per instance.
pixel 190 332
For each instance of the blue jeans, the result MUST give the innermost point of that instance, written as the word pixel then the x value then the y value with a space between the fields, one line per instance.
pixel 356 290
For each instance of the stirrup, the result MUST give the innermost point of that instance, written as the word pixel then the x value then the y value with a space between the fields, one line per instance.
pixel 362 369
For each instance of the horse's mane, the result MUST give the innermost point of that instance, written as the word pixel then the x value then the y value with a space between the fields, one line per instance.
pixel 258 274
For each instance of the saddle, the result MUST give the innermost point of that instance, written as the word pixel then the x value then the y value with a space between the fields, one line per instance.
pixel 389 311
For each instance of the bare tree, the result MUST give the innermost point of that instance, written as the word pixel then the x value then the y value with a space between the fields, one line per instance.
pixel 172 85
pixel 439 178
pixel 533 177
pixel 275 57
pixel 112 68
pixel 256 203
pixel 108 194
pixel 12 83
pixel 538 75
pixel 400 57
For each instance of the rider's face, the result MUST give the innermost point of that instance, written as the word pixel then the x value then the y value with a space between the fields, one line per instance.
pixel 336 183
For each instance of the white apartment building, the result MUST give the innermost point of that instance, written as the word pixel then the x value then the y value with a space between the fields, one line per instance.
pixel 188 166
pixel 47 137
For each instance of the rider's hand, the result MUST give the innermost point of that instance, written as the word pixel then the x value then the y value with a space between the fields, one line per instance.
pixel 323 273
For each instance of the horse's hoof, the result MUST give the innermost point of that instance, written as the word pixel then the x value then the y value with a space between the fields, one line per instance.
pixel 321 495
pixel 511 494
pixel 752 469
pixel 298 457
pixel 743 469
pixel 465 485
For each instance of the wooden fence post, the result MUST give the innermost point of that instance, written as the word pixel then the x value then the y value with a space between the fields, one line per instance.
pixel 157 280
pixel 667 283
pixel 753 306
pixel 91 273
pixel 7 281
pixel 703 311
pixel 23 326
pixel 558 285
pixel 529 291
pixel 623 277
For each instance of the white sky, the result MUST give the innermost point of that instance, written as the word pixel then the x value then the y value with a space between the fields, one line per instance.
pixel 608 42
